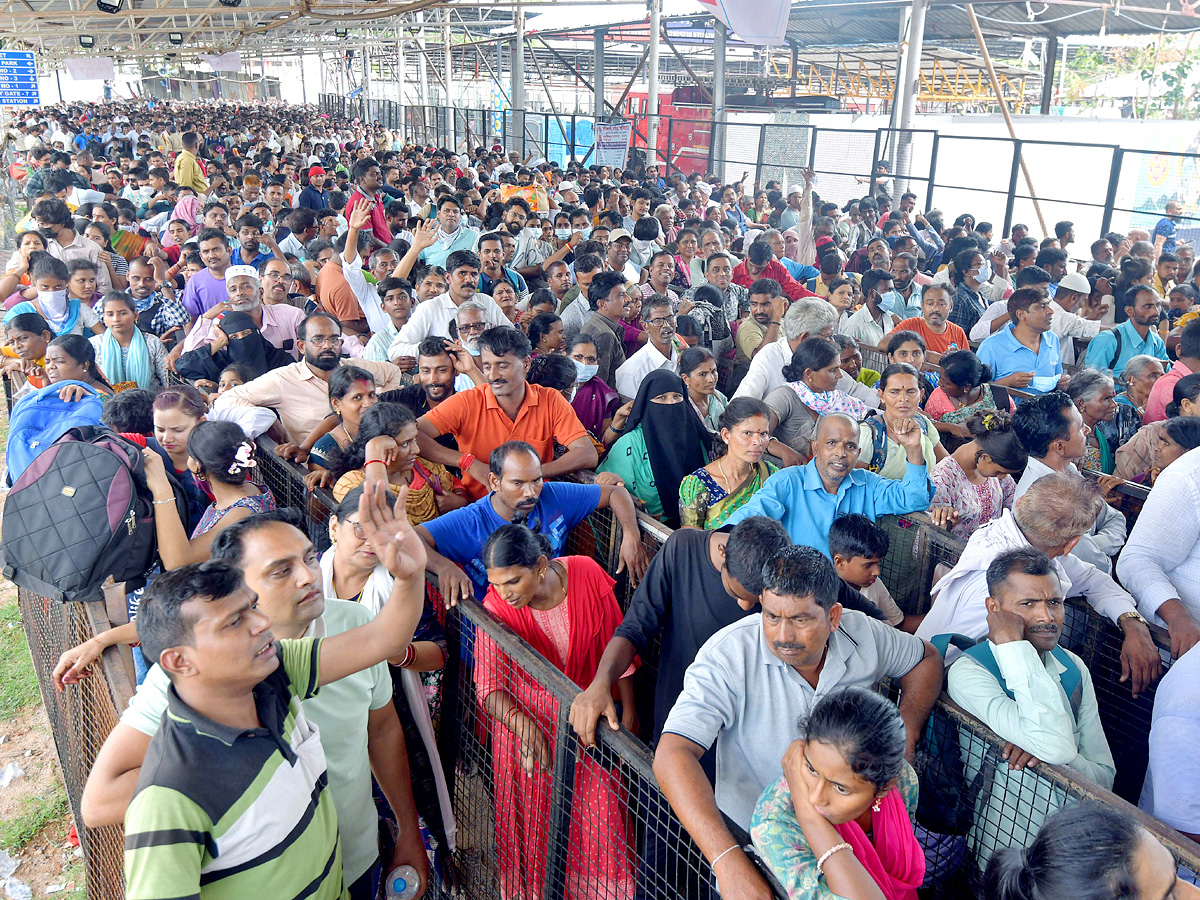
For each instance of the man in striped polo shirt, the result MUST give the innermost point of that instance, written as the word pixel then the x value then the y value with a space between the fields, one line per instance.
pixel 232 799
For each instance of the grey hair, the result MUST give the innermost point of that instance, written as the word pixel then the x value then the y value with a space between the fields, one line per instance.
pixel 664 206
pixel 1088 383
pixel 469 305
pixel 1137 367
pixel 378 253
pixel 769 233
pixel 300 273
pixel 1057 508
pixel 809 315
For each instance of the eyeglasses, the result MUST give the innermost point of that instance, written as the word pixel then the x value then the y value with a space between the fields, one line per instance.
pixel 660 322
pixel 322 341
pixel 359 531
pixel 474 327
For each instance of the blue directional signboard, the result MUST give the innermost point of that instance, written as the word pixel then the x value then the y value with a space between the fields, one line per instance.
pixel 18 79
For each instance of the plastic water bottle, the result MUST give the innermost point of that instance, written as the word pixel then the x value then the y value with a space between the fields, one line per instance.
pixel 403 882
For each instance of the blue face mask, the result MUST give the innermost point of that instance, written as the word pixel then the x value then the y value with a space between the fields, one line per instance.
pixel 563 233
pixel 586 232
pixel 584 372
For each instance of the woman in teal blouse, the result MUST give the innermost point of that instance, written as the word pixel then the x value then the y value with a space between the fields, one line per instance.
pixel 839 823
pixel 663 442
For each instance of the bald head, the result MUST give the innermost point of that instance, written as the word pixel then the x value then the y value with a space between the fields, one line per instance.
pixel 835 449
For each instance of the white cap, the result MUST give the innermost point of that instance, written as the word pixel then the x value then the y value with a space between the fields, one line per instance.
pixel 1076 282
pixel 241 271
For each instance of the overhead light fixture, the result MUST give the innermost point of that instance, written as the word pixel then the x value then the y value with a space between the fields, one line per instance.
pixel 231 2
pixel 341 32
pixel 111 7
pixel 87 41
pixel 175 38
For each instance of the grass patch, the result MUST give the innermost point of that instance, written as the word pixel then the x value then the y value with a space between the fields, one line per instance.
pixel 38 812
pixel 18 682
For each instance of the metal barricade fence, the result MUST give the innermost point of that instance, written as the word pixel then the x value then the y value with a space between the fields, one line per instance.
pixel 80 719
pixel 530 830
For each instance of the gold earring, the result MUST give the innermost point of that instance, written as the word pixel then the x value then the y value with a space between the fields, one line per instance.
pixel 875 805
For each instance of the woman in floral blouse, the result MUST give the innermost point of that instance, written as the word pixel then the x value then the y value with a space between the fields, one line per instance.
pixel 839 823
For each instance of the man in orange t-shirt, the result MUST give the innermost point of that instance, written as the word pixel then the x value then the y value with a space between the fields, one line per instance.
pixel 507 408
pixel 940 334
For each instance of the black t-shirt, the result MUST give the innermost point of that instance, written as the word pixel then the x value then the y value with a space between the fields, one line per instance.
pixel 413 396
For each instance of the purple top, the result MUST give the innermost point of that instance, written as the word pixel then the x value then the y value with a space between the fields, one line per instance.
pixel 203 292
pixel 594 402
pixel 632 333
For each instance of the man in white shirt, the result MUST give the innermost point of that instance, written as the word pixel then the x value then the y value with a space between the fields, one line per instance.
pixel 807 317
pixel 659 351
pixel 1052 516
pixel 433 317
pixel 1051 430
pixel 1161 562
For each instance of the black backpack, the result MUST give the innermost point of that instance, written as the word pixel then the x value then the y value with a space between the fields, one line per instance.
pixel 79 513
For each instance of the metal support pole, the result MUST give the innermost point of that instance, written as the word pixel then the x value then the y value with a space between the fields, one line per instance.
pixel 422 64
pixel 795 47
pixel 1048 73
pixel 1013 174
pixel 366 79
pixel 517 93
pixel 911 65
pixel 598 81
pixel 449 51
pixel 399 34
pixel 1114 177
pixel 716 141
pixel 652 82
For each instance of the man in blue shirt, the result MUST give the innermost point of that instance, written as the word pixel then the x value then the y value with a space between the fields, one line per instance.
pixel 1133 337
pixel 518 494
pixel 1025 354
pixel 251 239
pixel 1164 229
pixel 808 498
pixel 314 196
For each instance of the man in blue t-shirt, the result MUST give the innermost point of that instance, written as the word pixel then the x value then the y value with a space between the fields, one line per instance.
pixel 518 494
pixel 1164 230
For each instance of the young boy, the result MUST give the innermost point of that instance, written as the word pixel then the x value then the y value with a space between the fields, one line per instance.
pixel 858 546
pixel 395 296
pixel 232 799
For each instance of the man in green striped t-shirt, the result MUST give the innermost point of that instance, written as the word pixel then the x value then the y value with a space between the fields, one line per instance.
pixel 232 800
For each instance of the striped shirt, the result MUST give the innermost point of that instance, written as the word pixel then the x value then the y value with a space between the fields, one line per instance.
pixel 222 812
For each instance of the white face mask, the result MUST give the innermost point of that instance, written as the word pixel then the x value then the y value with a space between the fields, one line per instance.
pixel 584 373
pixel 54 303
pixel 985 272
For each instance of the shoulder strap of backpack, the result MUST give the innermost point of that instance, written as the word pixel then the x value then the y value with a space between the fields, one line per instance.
pixel 878 443
pixel 1071 679
pixel 1112 363
pixel 879 440
pixel 943 642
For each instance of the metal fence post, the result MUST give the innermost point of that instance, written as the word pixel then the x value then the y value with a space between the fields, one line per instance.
pixel 1012 187
pixel 558 838
pixel 875 161
pixel 812 148
pixel 670 144
pixel 762 145
pixel 932 171
pixel 1110 199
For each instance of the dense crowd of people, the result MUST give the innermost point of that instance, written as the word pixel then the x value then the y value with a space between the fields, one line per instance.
pixel 453 341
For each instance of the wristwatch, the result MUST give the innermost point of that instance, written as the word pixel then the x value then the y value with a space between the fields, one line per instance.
pixel 1132 614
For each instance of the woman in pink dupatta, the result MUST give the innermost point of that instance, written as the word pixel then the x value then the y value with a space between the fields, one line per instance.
pixel 839 823
pixel 566 609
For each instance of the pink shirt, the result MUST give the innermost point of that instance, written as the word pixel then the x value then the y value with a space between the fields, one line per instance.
pixel 1162 392
pixel 279 323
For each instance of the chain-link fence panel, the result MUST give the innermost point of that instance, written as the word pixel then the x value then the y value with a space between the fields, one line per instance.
pixel 1146 182
pixel 973 176
pixel 785 152
pixel 842 161
pixel 741 153
pixel 1067 189
pixel 80 719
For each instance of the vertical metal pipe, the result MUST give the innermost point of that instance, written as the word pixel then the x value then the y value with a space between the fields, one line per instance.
pixel 652 81
pixel 598 82
pixel 717 137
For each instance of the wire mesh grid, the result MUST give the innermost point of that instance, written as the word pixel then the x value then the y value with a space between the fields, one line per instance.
pixel 80 720
pixel 540 815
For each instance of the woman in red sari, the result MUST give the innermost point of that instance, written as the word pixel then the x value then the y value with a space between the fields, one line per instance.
pixel 567 610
